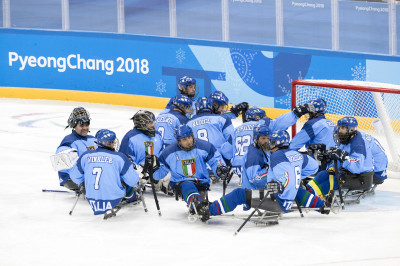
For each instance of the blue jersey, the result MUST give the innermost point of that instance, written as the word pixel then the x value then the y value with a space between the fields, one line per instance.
pixel 316 130
pixel 378 156
pixel 166 124
pixel 289 167
pixel 255 169
pixel 215 129
pixel 170 107
pixel 75 141
pixel 244 133
pixel 102 171
pixel 188 165
pixel 360 154
pixel 136 144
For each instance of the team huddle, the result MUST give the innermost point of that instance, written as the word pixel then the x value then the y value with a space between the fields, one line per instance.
pixel 193 143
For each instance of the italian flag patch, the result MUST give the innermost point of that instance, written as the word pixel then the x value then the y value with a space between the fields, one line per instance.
pixel 352 159
pixel 189 167
pixel 149 147
pixel 286 176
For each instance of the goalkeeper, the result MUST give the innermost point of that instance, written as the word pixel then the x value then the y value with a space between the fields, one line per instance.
pixel 73 146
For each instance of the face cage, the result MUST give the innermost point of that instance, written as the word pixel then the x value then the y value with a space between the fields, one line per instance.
pixel 141 125
pixel 80 117
pixel 344 138
pixel 189 148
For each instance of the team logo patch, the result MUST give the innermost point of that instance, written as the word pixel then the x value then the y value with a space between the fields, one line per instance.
pixel 352 159
pixel 90 148
pixel 189 167
pixel 149 147
pixel 286 176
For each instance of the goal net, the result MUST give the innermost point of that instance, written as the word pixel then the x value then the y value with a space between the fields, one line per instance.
pixel 376 106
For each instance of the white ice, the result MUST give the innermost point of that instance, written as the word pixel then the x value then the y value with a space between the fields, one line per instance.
pixel 35 228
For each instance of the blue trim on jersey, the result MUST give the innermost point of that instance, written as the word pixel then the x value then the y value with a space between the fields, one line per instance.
pixel 201 114
pixel 182 118
pixel 308 126
pixel 174 147
pixel 206 146
pixel 267 121
pixel 305 161
pixel 357 145
pixel 254 157
pixel 228 122
pixel 278 157
pixel 69 139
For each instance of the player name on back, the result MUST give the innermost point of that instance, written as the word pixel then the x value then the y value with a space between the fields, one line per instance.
pixel 100 159
pixel 201 122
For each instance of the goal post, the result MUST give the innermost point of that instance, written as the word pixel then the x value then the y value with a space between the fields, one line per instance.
pixel 376 106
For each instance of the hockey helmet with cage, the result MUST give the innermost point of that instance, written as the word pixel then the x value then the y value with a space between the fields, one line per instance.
pixel 319 106
pixel 203 104
pixel 107 139
pixel 279 139
pixel 255 114
pixel 186 81
pixel 78 116
pixel 144 121
pixel 218 99
pixel 183 131
pixel 183 103
pixel 350 124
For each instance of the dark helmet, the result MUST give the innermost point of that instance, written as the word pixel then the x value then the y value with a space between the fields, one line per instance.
pixel 261 130
pixel 183 103
pixel 141 119
pixel 183 131
pixel 78 116
pixel 280 139
pixel 351 124
pixel 254 114
pixel 107 139
pixel 318 107
pixel 184 82
pixel 203 104
pixel 218 99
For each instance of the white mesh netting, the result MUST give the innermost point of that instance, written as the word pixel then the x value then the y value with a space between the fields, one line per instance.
pixel 375 105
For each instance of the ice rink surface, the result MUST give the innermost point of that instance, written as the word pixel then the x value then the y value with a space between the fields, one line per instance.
pixel 35 228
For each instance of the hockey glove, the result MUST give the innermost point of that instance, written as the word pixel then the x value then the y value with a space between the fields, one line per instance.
pixel 337 154
pixel 315 147
pixel 223 172
pixel 151 162
pixel 275 187
pixel 239 108
pixel 302 109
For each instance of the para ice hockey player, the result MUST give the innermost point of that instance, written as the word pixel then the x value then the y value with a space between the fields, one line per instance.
pixel 144 139
pixel 318 129
pixel 255 116
pixel 108 175
pixel 220 103
pixel 355 160
pixel 213 128
pixel 167 122
pixel 286 169
pixel 186 160
pixel 73 146
pixel 186 86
